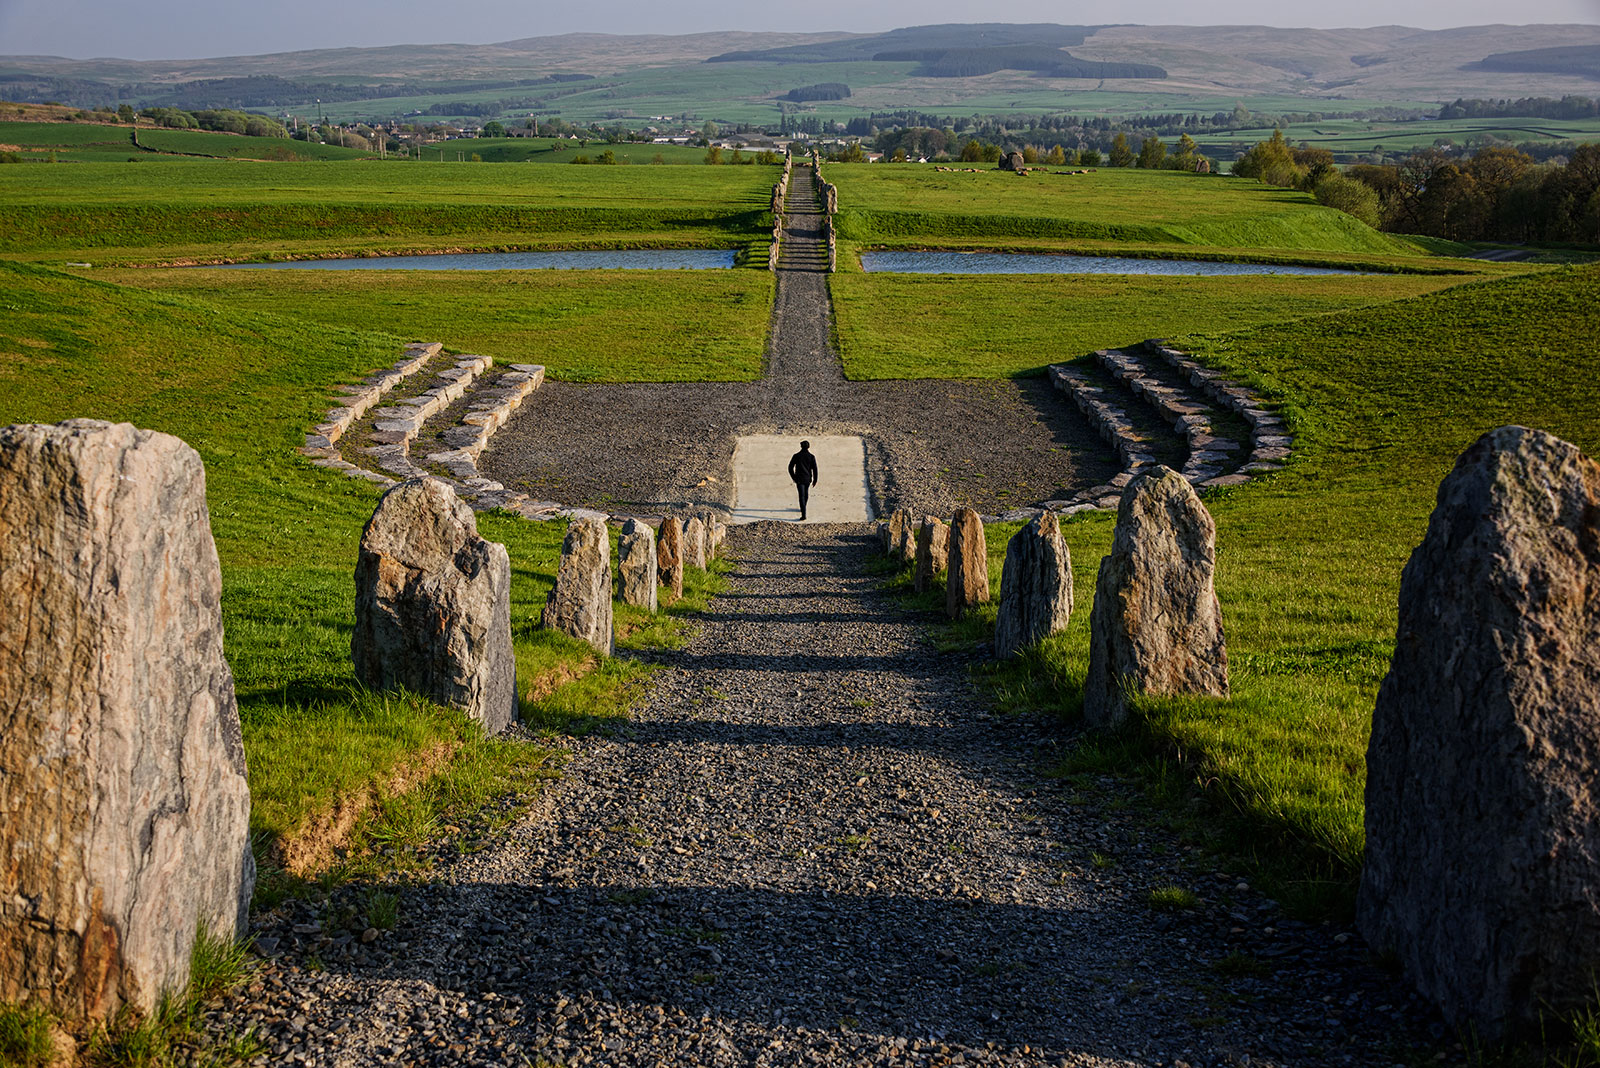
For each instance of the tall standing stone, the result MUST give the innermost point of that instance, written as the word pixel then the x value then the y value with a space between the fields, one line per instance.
pixel 900 532
pixel 1482 868
pixel 433 604
pixel 124 811
pixel 579 604
pixel 636 565
pixel 1156 626
pixel 669 555
pixel 719 536
pixel 933 549
pixel 694 543
pixel 966 584
pixel 1035 587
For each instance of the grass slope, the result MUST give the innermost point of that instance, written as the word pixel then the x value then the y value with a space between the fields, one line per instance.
pixel 1382 400
pixel 908 205
pixel 172 209
pixel 241 389
pixel 584 326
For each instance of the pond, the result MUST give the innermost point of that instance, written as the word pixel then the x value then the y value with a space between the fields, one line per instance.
pixel 893 262
pixel 624 259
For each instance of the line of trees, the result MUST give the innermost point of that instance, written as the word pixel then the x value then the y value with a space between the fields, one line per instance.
pixel 1528 107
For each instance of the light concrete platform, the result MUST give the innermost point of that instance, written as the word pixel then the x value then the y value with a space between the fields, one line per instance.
pixel 762 489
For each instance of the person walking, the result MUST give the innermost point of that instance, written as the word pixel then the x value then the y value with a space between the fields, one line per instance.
pixel 803 471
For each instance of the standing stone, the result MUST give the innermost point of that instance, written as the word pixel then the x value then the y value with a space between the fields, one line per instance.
pixel 694 543
pixel 579 604
pixel 669 555
pixel 1156 626
pixel 433 604
pixel 636 565
pixel 967 584
pixel 933 548
pixel 1482 868
pixel 900 532
pixel 719 535
pixel 1035 587
pixel 124 810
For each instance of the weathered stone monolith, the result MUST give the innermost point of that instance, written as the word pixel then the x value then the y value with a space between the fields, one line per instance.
pixel 579 603
pixel 933 548
pixel 719 536
pixel 124 810
pixel 669 555
pixel 694 543
pixel 1482 870
pixel 901 532
pixel 966 583
pixel 1156 626
pixel 433 604
pixel 636 565
pixel 1035 587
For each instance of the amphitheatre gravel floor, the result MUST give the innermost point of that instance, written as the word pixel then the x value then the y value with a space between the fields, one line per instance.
pixel 813 845
pixel 933 445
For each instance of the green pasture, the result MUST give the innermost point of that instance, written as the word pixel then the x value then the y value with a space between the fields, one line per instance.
pixel 1359 137
pixel 994 326
pixel 242 389
pixel 620 326
pixel 562 150
pixel 98 143
pixel 170 209
pixel 885 204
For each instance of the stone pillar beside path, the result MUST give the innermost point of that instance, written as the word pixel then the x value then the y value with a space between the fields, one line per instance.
pixel 669 555
pixel 1035 587
pixel 1482 867
pixel 636 565
pixel 694 543
pixel 124 824
pixel 966 583
pixel 901 533
pixel 433 604
pixel 1156 625
pixel 933 550
pixel 579 604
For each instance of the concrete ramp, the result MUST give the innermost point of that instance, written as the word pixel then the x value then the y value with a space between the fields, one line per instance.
pixel 762 489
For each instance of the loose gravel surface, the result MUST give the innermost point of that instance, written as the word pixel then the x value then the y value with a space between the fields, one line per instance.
pixel 933 445
pixel 813 845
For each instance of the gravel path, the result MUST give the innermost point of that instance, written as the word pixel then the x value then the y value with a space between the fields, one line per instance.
pixel 814 846
pixel 933 445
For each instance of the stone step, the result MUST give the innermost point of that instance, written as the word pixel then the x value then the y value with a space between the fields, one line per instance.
pixel 357 400
pixel 1185 410
pixel 1270 440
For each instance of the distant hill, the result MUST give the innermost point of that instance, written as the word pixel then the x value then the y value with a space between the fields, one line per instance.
pixel 930 39
pixel 1581 61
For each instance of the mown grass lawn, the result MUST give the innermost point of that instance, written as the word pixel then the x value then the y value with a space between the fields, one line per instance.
pixel 584 326
pixel 178 210
pixel 891 204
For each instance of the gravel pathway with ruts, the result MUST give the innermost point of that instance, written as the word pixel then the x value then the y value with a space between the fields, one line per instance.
pixel 813 845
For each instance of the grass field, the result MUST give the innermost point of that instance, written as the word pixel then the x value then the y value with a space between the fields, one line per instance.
pixel 629 326
pixel 912 205
pixel 93 142
pixel 242 389
pixel 1382 400
pixel 993 326
pixel 1350 137
pixel 173 210
pixel 561 150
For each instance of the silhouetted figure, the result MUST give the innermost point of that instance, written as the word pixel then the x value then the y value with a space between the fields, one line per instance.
pixel 803 470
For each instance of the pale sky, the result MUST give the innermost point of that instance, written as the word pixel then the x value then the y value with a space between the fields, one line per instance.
pixel 188 29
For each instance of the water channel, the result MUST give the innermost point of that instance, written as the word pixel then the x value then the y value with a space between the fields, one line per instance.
pixel 898 262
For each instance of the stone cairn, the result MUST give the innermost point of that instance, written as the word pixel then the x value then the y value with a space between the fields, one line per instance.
pixel 433 604
pixel 1482 868
pixel 125 822
pixel 933 550
pixel 694 543
pixel 669 555
pixel 1156 626
pixel 636 565
pixel 579 604
pixel 1035 587
pixel 966 583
